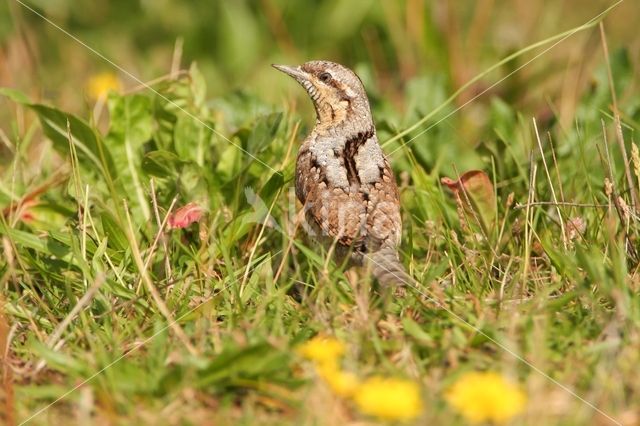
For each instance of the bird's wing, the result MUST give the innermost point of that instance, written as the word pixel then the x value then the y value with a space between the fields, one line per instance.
pixel 339 212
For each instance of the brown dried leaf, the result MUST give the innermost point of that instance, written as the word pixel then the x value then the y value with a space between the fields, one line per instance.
pixel 474 191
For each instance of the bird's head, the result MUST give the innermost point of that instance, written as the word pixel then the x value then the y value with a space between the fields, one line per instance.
pixel 337 93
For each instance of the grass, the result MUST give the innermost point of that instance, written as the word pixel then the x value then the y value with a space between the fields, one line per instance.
pixel 132 322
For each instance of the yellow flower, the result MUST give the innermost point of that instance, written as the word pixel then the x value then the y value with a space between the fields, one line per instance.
pixel 322 350
pixel 486 397
pixel 389 399
pixel 100 84
pixel 342 383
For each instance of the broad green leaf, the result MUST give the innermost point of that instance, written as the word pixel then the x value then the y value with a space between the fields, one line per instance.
pixel 23 238
pixel 97 260
pixel 115 234
pixel 270 189
pixel 131 120
pixel 59 125
pixel 131 123
pixel 161 163
pixel 178 108
pixel 91 152
pixel 258 361
pixel 229 162
pixel 198 85
pixel 191 138
pixel 263 132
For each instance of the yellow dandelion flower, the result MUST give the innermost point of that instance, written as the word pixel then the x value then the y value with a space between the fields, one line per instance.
pixel 389 399
pixel 486 397
pixel 342 383
pixel 100 84
pixel 322 350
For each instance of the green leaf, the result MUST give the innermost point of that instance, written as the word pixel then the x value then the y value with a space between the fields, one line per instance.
pixel 263 132
pixel 161 163
pixel 57 125
pixel 193 182
pixel 190 138
pixel 228 164
pixel 258 361
pixel 15 95
pixel 414 330
pixel 198 85
pixel 130 127
pixel 131 120
pixel 91 153
pixel 171 379
pixel 58 360
pixel 177 111
pixel 115 234
pixel 23 238
pixel 270 189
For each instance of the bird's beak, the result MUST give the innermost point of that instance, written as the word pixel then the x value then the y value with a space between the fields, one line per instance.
pixel 295 72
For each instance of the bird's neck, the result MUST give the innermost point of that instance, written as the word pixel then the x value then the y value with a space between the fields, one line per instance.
pixel 343 119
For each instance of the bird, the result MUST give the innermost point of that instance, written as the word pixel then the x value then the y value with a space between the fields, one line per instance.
pixel 343 179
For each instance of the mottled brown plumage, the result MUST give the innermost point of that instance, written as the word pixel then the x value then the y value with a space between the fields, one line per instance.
pixel 343 179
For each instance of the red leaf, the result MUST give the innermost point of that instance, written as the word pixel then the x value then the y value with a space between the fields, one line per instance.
pixel 185 216
pixel 23 209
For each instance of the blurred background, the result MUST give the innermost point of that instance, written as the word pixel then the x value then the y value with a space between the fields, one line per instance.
pixel 411 54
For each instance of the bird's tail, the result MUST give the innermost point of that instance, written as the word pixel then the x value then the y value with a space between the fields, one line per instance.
pixel 387 268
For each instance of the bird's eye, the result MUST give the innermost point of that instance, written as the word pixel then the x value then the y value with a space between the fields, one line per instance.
pixel 325 77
